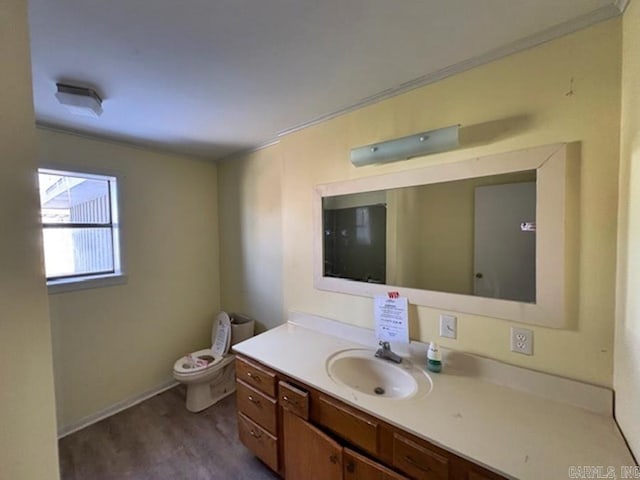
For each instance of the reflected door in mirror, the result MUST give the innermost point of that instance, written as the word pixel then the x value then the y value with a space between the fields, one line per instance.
pixel 504 251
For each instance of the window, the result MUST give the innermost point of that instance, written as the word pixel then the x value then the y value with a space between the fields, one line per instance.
pixel 79 225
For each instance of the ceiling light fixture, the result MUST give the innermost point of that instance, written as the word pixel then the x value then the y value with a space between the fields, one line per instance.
pixel 425 143
pixel 79 100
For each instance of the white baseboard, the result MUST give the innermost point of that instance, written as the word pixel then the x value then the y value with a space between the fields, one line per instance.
pixel 113 409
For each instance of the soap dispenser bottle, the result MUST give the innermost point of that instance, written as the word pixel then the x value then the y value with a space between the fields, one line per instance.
pixel 434 358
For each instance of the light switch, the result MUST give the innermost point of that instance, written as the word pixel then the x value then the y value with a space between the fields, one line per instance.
pixel 448 326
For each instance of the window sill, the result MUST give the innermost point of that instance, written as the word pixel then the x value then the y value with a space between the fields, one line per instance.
pixel 73 284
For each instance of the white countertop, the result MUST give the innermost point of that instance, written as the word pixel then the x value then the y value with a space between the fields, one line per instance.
pixel 515 433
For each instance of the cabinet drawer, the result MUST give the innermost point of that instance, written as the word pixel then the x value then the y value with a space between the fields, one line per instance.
pixel 257 406
pixel 256 376
pixel 418 461
pixel 359 467
pixel 355 427
pixel 259 441
pixel 293 399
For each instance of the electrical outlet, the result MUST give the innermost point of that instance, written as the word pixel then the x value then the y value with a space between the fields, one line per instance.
pixel 448 326
pixel 522 341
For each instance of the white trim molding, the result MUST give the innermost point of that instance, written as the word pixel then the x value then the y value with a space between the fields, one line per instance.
pixel 622 5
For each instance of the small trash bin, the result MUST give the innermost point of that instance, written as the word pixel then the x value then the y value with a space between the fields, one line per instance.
pixel 242 327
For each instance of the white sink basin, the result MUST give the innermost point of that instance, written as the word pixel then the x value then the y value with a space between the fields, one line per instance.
pixel 360 370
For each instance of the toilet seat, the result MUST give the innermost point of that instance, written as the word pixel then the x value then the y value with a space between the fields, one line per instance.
pixel 182 364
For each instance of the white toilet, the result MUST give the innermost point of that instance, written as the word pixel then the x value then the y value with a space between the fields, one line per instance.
pixel 209 374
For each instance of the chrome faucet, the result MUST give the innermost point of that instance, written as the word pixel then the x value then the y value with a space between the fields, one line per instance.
pixel 386 353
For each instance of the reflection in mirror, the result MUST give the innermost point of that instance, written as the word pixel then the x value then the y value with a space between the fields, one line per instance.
pixel 554 231
pixel 474 236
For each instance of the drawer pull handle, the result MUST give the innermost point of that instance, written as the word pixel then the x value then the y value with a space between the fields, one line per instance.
pixel 411 461
pixel 254 434
pixel 285 398
pixel 333 458
pixel 253 400
pixel 254 377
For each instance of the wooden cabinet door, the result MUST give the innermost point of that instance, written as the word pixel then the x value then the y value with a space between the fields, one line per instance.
pixel 359 467
pixel 418 460
pixel 309 454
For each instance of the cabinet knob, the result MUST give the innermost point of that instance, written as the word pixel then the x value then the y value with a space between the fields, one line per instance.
pixel 285 398
pixel 333 458
pixel 253 400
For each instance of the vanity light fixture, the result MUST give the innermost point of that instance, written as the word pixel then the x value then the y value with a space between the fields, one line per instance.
pixel 425 143
pixel 79 100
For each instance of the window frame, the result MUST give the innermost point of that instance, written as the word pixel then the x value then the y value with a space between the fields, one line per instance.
pixel 80 281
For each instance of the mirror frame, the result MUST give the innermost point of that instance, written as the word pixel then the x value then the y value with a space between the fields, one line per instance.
pixel 552 289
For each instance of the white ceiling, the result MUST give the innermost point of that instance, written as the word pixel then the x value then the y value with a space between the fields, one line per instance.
pixel 213 77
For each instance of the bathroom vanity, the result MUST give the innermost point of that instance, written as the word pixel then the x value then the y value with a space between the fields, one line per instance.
pixel 304 423
pixel 293 428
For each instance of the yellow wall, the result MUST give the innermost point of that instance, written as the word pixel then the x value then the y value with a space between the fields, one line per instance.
pixel 251 236
pixel 403 236
pixel 446 256
pixel 28 447
pixel 627 351
pixel 525 96
pixel 113 343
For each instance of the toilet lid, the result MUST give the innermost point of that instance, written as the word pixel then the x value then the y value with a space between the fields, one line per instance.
pixel 222 339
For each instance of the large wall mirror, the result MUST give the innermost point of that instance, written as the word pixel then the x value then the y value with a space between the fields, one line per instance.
pixel 484 236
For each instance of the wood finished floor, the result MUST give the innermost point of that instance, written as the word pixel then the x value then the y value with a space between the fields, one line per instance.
pixel 160 440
